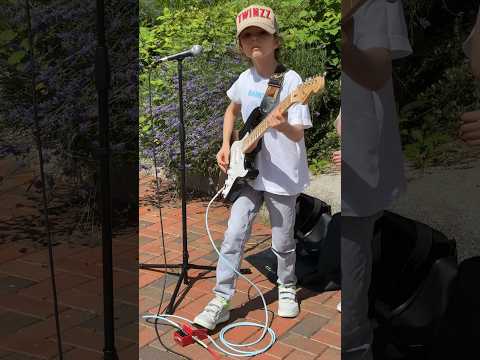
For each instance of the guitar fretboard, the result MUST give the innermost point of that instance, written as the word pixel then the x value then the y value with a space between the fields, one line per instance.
pixel 261 128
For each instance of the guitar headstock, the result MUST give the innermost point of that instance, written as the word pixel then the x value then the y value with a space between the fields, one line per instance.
pixel 303 93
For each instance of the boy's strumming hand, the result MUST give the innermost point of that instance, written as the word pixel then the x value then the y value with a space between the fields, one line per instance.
pixel 470 128
pixel 223 157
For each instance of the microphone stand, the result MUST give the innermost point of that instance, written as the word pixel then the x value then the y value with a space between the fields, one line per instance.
pixel 185 265
pixel 102 80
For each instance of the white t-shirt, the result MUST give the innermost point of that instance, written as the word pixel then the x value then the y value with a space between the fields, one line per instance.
pixel 467 45
pixel 372 169
pixel 282 163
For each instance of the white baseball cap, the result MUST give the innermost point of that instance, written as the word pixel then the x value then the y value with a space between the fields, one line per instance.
pixel 257 15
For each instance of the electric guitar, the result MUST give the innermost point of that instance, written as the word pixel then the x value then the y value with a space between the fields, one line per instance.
pixel 241 167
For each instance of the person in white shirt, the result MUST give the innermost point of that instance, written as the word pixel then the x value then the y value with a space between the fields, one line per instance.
pixel 282 165
pixel 470 126
pixel 372 160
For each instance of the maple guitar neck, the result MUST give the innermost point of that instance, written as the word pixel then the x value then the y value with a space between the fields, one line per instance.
pixel 261 128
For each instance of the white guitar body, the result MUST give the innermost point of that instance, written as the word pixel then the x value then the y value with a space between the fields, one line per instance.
pixel 240 168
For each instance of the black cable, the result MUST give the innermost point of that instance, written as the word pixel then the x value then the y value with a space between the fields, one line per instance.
pixel 42 176
pixel 157 190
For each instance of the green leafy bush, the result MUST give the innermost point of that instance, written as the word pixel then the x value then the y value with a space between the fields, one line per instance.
pixel 311 35
pixel 434 84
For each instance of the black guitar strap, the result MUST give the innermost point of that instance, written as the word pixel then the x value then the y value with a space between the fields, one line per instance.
pixel 275 83
pixel 270 100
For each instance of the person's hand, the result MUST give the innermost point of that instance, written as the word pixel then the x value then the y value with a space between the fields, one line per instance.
pixel 337 159
pixel 470 128
pixel 223 158
pixel 276 120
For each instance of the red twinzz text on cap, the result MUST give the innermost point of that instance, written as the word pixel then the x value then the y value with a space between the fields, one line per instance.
pixel 253 12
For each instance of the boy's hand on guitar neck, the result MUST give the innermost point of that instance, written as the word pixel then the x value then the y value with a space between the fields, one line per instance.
pixel 277 121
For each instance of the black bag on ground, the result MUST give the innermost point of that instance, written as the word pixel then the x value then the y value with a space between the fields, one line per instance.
pixel 459 333
pixel 414 270
pixel 318 247
pixel 312 217
pixel 327 273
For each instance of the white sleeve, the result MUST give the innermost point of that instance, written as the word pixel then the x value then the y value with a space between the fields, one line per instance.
pixel 298 114
pixel 234 92
pixel 381 24
pixel 467 45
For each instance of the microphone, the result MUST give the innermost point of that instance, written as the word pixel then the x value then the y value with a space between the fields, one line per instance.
pixel 194 51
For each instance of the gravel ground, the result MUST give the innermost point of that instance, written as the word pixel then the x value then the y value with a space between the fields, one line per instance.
pixel 326 187
pixel 448 199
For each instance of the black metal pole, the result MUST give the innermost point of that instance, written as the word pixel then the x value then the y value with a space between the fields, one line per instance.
pixel 38 136
pixel 181 131
pixel 102 77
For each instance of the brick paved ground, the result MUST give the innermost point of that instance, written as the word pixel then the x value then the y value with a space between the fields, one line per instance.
pixel 314 334
pixel 27 326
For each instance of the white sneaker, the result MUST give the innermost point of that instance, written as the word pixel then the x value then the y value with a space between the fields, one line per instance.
pixel 339 307
pixel 215 312
pixel 287 301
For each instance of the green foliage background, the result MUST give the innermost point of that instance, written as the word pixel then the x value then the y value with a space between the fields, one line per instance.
pixel 311 45
pixel 435 85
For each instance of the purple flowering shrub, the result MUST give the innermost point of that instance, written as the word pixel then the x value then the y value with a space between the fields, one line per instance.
pixel 64 46
pixel 205 100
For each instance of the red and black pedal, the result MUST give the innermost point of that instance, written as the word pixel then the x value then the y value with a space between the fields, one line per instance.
pixel 185 336
pixel 182 339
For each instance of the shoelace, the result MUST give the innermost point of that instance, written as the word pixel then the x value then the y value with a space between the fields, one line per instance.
pixel 214 309
pixel 286 293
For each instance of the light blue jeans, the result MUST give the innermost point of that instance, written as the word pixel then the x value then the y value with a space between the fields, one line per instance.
pixel 282 218
pixel 357 257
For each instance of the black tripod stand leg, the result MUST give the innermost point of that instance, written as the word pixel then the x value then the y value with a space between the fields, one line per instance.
pixel 171 305
pixel 190 266
pixel 160 266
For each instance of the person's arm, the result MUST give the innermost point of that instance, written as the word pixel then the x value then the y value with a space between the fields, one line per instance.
pixel 475 55
pixel 337 155
pixel 231 114
pixel 294 132
pixel 371 68
pixel 338 123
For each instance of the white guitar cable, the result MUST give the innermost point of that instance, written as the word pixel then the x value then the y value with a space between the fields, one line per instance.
pixel 234 349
